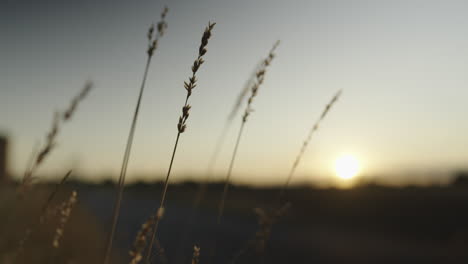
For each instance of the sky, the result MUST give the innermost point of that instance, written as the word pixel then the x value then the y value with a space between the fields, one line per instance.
pixel 401 65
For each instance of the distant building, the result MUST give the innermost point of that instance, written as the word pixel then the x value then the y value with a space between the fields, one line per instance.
pixel 3 158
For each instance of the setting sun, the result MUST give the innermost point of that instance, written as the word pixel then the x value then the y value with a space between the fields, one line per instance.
pixel 346 167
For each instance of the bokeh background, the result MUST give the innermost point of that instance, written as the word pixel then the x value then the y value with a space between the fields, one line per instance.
pixel 401 65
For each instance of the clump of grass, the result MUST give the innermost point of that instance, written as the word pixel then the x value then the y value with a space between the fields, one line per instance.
pixel 259 78
pixel 44 215
pixel 37 158
pixel 181 126
pixel 312 131
pixel 153 40
pixel 50 143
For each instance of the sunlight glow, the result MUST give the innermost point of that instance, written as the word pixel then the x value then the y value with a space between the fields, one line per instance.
pixel 346 167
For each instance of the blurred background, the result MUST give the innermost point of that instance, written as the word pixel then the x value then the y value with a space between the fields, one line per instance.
pixel 384 179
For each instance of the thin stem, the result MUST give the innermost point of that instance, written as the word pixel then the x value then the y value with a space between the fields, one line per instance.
pixel 163 199
pixel 211 165
pixel 123 171
pixel 218 147
pixel 163 196
pixel 181 126
pixel 228 176
pixel 203 187
pixel 291 172
pixel 306 142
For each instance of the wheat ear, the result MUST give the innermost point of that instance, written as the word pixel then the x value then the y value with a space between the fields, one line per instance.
pixel 181 127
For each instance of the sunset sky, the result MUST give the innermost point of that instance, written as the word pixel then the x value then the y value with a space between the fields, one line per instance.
pixel 402 66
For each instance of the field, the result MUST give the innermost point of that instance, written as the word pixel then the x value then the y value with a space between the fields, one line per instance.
pixel 371 224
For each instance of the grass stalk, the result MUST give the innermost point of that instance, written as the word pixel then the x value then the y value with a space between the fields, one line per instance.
pixel 222 136
pixel 312 131
pixel 228 176
pixel 181 127
pixel 214 158
pixel 38 157
pixel 260 75
pixel 152 45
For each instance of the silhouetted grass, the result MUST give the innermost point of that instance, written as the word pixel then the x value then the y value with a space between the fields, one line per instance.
pixel 153 40
pixel 260 75
pixel 59 117
pixel 306 142
pixel 181 127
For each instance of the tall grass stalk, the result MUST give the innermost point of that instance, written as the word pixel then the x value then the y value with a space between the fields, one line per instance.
pixel 260 75
pixel 38 157
pixel 312 131
pixel 153 40
pixel 222 136
pixel 181 127
pixel 200 193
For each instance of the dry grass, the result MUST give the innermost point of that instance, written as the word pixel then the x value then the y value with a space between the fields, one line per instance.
pixel 82 242
pixel 181 127
pixel 266 219
pixel 38 157
pixel 259 78
pixel 218 146
pixel 153 40
pixel 149 230
pixel 44 215
pixel 312 131
pixel 222 137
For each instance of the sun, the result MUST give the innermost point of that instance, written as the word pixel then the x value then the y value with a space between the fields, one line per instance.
pixel 346 167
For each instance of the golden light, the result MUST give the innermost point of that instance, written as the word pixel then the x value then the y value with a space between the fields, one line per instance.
pixel 347 166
